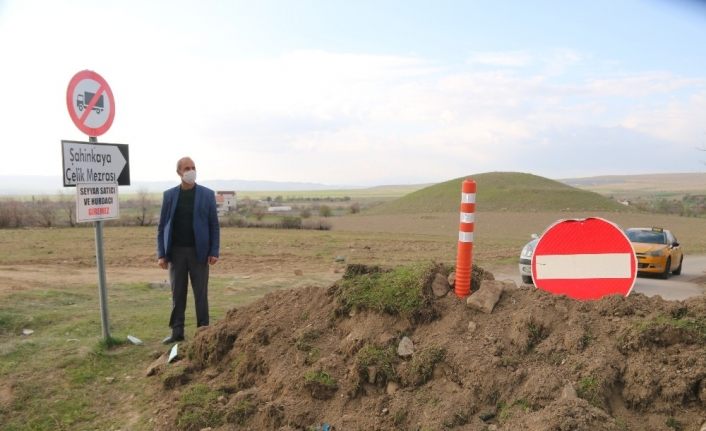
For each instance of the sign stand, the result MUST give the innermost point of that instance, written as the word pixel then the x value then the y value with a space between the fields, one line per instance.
pixel 92 108
pixel 100 262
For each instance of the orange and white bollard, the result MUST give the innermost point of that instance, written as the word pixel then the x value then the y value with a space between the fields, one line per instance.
pixel 464 255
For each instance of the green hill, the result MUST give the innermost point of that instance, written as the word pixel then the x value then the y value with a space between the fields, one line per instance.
pixel 501 191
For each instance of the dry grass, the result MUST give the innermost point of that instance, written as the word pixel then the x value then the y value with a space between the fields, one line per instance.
pixel 58 379
pixel 631 186
pixel 378 239
pixel 501 191
pixel 501 234
pixel 242 250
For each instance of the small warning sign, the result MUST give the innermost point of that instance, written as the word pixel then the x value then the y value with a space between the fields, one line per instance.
pixel 97 201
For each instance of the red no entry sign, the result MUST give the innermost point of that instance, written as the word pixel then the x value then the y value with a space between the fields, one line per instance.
pixel 584 259
pixel 90 102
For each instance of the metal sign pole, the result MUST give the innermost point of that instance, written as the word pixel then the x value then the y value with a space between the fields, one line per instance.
pixel 102 293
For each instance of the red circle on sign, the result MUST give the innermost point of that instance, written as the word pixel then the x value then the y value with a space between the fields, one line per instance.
pixel 584 259
pixel 81 109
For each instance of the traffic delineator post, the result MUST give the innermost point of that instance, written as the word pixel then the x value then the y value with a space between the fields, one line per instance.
pixel 464 255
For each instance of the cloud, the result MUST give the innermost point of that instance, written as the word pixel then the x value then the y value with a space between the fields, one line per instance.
pixel 680 121
pixel 327 116
pixel 559 61
pixel 358 118
pixel 641 85
pixel 501 58
pixel 553 62
pixel 617 150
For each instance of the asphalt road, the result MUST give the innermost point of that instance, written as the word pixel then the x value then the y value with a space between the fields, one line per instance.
pixel 677 287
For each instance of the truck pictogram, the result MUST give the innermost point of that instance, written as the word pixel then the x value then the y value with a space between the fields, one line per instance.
pixel 82 101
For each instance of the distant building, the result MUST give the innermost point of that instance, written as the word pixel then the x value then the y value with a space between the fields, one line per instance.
pixel 226 201
pixel 279 209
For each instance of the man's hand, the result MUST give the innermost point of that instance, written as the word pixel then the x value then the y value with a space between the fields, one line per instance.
pixel 163 263
pixel 212 260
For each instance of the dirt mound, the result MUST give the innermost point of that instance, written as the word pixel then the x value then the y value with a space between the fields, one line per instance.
pixel 307 358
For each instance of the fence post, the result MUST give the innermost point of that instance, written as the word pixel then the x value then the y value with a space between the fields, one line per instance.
pixel 464 255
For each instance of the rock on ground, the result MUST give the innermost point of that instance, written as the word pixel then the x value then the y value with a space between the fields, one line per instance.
pixel 488 295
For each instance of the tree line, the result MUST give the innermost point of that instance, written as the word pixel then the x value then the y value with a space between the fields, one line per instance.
pixel 142 209
pixel 60 211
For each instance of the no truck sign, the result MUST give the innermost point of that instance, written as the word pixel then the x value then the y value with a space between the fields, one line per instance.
pixel 90 102
pixel 584 259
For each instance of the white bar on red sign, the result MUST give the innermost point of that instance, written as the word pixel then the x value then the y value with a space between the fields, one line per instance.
pixel 468 198
pixel 468 217
pixel 465 236
pixel 579 266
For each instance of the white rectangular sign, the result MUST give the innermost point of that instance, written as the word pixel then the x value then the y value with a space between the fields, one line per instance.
pixel 97 201
pixel 578 266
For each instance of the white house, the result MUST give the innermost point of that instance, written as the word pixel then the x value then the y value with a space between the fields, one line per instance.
pixel 226 201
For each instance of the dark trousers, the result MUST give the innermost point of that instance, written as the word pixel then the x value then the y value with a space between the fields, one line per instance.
pixel 182 267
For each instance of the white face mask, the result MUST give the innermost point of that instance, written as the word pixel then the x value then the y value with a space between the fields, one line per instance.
pixel 189 177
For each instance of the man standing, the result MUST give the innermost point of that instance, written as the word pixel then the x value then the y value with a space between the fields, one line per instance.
pixel 188 241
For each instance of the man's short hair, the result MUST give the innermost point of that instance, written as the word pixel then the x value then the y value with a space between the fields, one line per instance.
pixel 180 160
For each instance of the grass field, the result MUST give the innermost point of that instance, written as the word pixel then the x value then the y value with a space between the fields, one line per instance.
pixel 380 192
pixel 362 193
pixel 62 377
pixel 635 186
pixel 499 234
pixel 501 191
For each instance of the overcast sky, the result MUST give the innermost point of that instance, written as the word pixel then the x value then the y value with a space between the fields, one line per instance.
pixel 363 92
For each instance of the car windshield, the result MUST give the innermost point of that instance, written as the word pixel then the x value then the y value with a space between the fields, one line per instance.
pixel 647 236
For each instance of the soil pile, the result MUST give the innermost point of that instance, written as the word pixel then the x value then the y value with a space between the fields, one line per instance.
pixel 379 350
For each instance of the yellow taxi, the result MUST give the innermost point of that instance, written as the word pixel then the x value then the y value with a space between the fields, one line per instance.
pixel 657 250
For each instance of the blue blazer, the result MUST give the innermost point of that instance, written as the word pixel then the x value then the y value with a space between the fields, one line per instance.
pixel 207 233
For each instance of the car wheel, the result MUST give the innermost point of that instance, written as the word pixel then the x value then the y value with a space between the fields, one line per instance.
pixel 527 279
pixel 678 270
pixel 667 267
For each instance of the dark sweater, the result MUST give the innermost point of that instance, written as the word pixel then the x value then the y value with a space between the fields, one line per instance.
pixel 183 230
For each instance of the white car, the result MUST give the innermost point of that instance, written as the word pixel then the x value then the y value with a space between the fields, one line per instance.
pixel 526 259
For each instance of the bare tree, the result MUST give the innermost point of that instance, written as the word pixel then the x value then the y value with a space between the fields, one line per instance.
pixel 45 210
pixel 7 207
pixel 144 204
pixel 325 211
pixel 258 212
pixel 67 203
pixel 21 213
